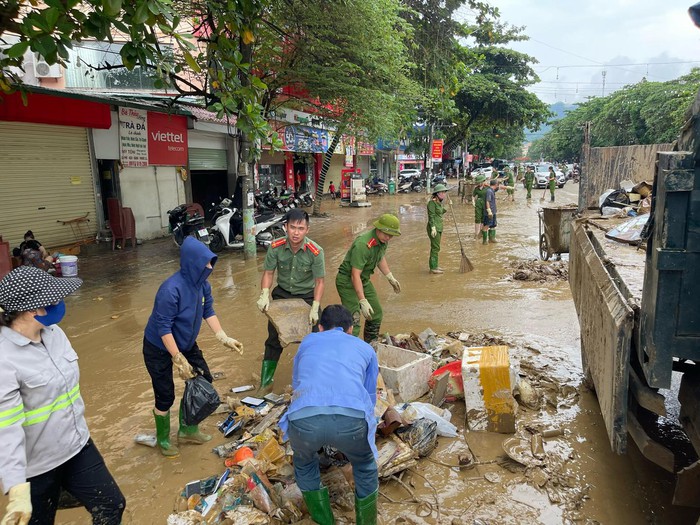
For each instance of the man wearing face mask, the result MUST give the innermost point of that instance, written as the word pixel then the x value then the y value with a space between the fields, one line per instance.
pixel 45 445
pixel 170 339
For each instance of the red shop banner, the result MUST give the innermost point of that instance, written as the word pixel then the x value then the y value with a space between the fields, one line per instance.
pixel 437 149
pixel 167 139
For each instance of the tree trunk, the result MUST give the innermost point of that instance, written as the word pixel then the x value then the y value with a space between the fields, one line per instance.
pixel 324 169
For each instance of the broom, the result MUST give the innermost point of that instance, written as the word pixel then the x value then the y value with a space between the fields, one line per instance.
pixel 466 265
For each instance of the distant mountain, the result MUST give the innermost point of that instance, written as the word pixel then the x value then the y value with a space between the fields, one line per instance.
pixel 559 109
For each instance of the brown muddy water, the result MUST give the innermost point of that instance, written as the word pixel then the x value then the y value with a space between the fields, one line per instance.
pixel 106 318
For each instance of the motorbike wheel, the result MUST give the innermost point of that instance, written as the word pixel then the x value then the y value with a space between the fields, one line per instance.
pixel 277 232
pixel 217 242
pixel 418 189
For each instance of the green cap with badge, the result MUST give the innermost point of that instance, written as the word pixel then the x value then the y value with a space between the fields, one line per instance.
pixel 440 187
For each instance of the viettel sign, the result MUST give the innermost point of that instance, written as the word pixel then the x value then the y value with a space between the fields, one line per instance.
pixel 167 139
pixel 437 149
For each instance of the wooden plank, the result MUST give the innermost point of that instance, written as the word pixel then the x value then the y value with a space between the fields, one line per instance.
pixel 647 397
pixel 649 448
pixel 291 319
pixel 687 491
pixel 606 322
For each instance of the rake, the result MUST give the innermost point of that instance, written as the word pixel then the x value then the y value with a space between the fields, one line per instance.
pixel 466 265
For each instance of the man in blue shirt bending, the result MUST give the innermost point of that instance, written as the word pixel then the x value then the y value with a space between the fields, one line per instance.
pixel 335 389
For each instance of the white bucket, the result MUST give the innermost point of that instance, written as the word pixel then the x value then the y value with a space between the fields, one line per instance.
pixel 69 265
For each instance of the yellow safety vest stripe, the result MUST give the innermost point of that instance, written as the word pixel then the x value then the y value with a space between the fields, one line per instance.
pixel 14 419
pixel 12 411
pixel 43 413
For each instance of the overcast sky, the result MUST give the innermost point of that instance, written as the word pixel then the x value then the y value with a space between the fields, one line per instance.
pixel 576 41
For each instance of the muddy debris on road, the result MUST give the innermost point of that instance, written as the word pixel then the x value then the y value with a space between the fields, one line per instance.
pixel 541 271
pixel 428 455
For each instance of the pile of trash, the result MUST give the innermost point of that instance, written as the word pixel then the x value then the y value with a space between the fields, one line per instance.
pixel 541 271
pixel 257 485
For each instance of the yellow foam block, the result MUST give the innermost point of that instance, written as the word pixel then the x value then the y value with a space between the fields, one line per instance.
pixel 488 389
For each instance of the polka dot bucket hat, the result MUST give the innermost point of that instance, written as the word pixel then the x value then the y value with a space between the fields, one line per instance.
pixel 28 288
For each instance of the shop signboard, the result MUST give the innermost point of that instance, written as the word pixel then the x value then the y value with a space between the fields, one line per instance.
pixel 304 139
pixel 133 137
pixel 437 149
pixel 167 139
pixel 151 139
pixel 365 148
pixel 349 151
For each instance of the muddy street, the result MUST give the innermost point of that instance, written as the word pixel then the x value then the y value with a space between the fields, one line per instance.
pixel 106 318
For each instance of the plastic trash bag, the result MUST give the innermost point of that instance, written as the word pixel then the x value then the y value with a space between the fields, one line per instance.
pixel 424 410
pixel 199 401
pixel 421 436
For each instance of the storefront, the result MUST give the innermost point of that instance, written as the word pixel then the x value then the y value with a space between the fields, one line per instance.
pixel 47 173
pixel 150 168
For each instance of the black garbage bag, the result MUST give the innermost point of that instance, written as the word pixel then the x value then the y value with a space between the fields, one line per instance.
pixel 421 436
pixel 616 199
pixel 199 400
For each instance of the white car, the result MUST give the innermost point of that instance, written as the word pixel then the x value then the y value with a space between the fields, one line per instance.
pixel 408 173
pixel 487 172
pixel 542 176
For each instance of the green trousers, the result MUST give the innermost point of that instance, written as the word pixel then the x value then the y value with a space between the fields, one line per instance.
pixel 434 249
pixel 529 190
pixel 349 300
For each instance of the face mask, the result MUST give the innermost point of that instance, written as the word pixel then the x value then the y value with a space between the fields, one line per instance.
pixel 54 314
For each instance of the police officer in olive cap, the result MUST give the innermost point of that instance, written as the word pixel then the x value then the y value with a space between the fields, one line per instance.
pixel 435 224
pixel 356 291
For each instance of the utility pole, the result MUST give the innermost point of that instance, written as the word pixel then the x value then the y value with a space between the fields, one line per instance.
pixel 244 168
pixel 604 74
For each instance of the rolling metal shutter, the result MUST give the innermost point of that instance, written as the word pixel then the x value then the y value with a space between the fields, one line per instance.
pixel 45 175
pixel 207 159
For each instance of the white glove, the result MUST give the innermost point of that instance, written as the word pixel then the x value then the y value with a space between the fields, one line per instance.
pixel 366 309
pixel 19 506
pixel 264 300
pixel 433 231
pixel 229 342
pixel 489 213
pixel 313 314
pixel 184 368
pixel 393 282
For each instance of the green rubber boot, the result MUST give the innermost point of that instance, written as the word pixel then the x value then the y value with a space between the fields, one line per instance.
pixel 319 504
pixel 163 436
pixel 484 236
pixel 267 372
pixel 190 433
pixel 492 236
pixel 366 509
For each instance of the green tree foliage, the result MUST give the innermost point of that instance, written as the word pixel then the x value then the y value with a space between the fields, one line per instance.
pixel 643 113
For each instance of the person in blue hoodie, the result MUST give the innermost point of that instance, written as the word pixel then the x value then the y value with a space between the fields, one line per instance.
pixel 334 384
pixel 170 339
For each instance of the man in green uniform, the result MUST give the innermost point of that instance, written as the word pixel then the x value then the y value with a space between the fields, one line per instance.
pixel 435 212
pixel 355 289
pixel 552 182
pixel 300 266
pixel 478 196
pixel 529 181
pixel 510 181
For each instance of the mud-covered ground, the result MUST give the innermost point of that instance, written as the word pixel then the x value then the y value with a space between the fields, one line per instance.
pixel 581 481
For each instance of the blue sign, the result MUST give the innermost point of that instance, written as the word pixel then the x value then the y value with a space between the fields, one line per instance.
pixel 304 139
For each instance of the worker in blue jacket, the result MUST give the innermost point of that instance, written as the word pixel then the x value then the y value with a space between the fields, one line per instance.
pixel 334 386
pixel 182 301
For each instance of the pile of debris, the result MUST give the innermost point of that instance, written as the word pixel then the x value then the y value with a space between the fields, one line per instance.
pixel 541 271
pixel 258 484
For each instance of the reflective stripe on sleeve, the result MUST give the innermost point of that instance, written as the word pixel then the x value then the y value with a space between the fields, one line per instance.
pixel 11 415
pixel 42 414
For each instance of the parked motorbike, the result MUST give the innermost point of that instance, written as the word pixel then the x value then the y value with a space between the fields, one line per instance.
pixel 378 188
pixel 576 175
pixel 182 225
pixel 306 199
pixel 227 231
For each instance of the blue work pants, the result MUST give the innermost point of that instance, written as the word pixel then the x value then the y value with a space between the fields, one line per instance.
pixel 347 434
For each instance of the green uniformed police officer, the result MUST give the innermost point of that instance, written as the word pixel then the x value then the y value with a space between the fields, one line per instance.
pixel 510 181
pixel 301 268
pixel 435 212
pixel 355 289
pixel 529 181
pixel 552 182
pixel 478 196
